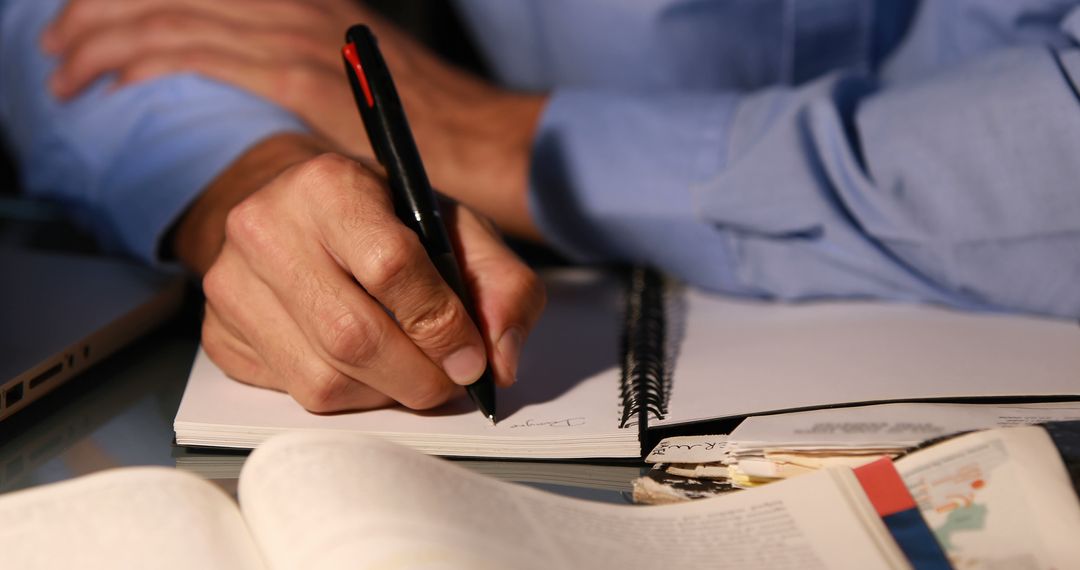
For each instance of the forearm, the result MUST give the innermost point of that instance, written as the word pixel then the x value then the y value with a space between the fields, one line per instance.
pixel 476 138
pixel 483 156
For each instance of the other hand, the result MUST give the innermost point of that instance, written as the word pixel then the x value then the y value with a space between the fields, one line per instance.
pixel 475 138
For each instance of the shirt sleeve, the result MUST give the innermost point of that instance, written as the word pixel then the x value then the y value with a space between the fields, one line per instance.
pixel 127 162
pixel 956 188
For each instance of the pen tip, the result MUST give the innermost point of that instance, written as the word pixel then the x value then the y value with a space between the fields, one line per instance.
pixel 491 417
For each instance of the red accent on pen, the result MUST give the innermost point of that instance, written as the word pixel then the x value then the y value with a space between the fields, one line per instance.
pixel 349 51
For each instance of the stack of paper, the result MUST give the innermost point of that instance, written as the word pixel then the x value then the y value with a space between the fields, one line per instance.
pixel 767 448
pixel 764 449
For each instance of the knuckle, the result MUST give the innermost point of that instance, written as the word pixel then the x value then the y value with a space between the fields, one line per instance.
pixel 531 286
pixel 322 393
pixel 78 61
pixel 211 340
pixel 321 171
pixel 437 325
pixel 246 222
pixel 527 287
pixel 388 256
pixel 215 284
pixel 352 340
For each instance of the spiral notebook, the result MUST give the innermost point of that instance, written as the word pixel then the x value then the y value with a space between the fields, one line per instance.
pixel 615 362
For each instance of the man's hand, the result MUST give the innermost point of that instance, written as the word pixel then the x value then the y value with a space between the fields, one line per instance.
pixel 475 138
pixel 320 291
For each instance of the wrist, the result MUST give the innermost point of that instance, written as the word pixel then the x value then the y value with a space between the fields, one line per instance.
pixel 199 234
pixel 478 149
pixel 496 166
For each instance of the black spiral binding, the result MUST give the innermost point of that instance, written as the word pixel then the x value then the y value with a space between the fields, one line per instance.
pixel 643 386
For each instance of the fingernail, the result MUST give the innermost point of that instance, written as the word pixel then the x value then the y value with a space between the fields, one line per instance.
pixel 465 365
pixel 510 344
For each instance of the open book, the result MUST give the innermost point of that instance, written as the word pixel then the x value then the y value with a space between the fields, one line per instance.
pixel 999 498
pixel 995 499
pixel 720 358
pixel 326 500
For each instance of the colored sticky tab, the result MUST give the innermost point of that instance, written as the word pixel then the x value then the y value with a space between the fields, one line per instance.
pixel 884 487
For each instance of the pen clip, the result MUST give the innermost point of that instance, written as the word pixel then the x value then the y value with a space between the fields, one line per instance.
pixel 350 55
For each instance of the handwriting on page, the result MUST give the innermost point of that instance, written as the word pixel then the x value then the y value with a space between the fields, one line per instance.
pixel 563 423
pixel 689 449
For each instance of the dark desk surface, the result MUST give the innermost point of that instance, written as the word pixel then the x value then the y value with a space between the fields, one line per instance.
pixel 120 413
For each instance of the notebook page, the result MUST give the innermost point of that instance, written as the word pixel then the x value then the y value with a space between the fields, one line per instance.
pixel 743 357
pixel 343 501
pixel 565 403
pixel 145 517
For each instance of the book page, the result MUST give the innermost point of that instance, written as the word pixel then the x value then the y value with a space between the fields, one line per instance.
pixel 564 405
pixel 345 501
pixel 997 499
pixel 741 357
pixel 146 517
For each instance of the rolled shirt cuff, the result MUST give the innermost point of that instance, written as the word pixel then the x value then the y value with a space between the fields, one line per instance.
pixel 143 194
pixel 613 174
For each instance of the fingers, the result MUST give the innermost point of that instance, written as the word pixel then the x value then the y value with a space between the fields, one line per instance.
pixel 291 61
pixel 233 355
pixel 286 51
pixel 169 41
pixel 82 17
pixel 240 301
pixel 168 34
pixel 359 238
pixel 320 291
pixel 509 296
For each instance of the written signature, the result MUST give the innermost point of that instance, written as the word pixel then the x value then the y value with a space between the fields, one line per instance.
pixel 568 422
pixel 663 448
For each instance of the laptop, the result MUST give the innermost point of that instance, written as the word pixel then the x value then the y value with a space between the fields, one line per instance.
pixel 61 313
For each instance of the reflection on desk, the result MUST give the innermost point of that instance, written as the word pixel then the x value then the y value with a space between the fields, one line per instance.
pixel 612 483
pixel 120 413
pixel 117 413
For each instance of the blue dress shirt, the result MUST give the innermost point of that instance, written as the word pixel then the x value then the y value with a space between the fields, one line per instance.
pixel 786 149
pixel 127 162
pixel 800 149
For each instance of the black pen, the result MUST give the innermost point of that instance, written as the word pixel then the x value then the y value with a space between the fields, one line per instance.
pixel 414 201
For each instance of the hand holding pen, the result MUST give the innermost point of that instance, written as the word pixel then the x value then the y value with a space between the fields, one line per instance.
pixel 320 289
pixel 311 262
pixel 414 201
